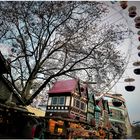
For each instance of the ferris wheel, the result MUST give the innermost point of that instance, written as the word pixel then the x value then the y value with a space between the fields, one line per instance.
pixel 126 12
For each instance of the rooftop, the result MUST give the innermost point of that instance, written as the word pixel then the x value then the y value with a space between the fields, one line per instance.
pixel 64 86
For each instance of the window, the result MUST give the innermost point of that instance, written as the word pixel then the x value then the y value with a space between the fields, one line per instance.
pixel 54 100
pixel 110 114
pixel 105 106
pixel 90 105
pixel 77 103
pixel 82 106
pixel 97 117
pixel 116 114
pixel 122 116
pixel 90 116
pixel 60 101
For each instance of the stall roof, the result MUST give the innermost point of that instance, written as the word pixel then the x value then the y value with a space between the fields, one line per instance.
pixel 10 87
pixel 5 68
pixel 4 107
pixel 36 111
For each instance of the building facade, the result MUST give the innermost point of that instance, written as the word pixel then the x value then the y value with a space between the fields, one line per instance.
pixel 119 116
pixel 104 113
pixel 70 99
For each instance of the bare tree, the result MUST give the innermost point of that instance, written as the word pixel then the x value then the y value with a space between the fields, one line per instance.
pixel 52 39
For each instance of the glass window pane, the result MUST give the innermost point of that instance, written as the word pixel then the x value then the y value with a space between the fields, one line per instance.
pixel 61 100
pixel 82 106
pixel 77 104
pixel 74 102
pixel 54 100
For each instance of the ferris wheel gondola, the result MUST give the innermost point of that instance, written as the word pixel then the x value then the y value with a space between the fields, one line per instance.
pixel 123 4
pixel 137 22
pixel 132 11
pixel 130 88
pixel 138 32
pixel 139 54
pixel 116 102
pixel 129 80
pixel 137 63
pixel 138 47
pixel 137 71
